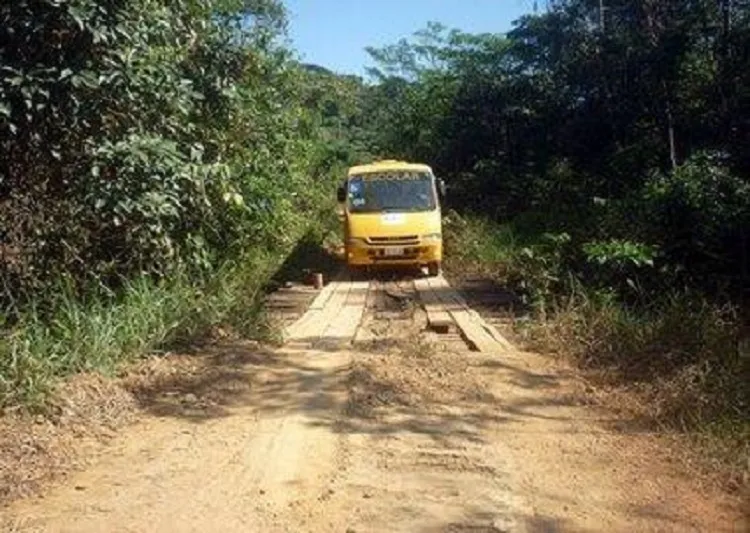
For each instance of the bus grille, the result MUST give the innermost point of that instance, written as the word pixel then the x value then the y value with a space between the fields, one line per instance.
pixel 405 240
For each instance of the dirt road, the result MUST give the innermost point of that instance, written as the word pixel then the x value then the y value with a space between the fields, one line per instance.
pixel 368 421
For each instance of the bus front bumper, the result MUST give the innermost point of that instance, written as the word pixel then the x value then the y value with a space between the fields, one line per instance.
pixel 363 254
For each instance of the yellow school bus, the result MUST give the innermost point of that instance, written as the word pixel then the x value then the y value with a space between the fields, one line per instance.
pixel 391 215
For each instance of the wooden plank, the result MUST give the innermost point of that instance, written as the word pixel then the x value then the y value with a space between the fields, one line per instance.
pixel 475 336
pixel 457 303
pixel 334 323
pixel 491 331
pixel 438 318
pixel 320 319
pixel 479 334
pixel 315 307
pixel 364 334
pixel 314 321
pixel 343 324
pixel 325 294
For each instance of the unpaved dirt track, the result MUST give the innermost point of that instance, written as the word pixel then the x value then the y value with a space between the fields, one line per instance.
pixel 367 421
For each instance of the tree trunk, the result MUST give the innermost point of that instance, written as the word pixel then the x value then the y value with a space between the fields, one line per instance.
pixel 671 134
pixel 725 83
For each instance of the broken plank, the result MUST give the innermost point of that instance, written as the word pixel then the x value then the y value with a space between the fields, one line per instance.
pixel 480 335
pixel 438 318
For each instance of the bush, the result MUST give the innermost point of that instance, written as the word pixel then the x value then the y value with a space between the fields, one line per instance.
pixel 698 215
pixel 153 152
pixel 477 245
pixel 144 138
pixel 686 357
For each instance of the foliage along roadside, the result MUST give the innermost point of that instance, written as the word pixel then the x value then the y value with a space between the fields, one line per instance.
pixel 146 137
pixel 100 332
pixel 600 162
pixel 159 159
pixel 630 128
pixel 681 362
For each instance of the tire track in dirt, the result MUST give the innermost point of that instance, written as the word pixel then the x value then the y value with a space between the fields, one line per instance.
pixel 419 460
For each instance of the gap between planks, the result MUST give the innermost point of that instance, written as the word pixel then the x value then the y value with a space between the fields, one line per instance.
pixel 446 307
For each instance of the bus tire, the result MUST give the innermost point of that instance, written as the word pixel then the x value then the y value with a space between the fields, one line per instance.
pixel 359 272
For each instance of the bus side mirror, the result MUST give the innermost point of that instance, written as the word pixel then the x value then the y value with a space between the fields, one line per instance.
pixel 341 194
pixel 441 188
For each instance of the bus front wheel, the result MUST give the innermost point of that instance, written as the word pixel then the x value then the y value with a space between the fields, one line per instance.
pixel 433 269
pixel 359 272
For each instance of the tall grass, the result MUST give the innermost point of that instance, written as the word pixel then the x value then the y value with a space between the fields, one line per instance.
pixel 689 351
pixel 102 330
pixel 685 360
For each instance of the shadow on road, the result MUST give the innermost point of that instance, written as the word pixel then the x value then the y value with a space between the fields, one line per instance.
pixel 390 390
pixel 425 398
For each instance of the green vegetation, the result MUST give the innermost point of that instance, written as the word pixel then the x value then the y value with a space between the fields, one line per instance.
pixel 633 131
pixel 599 164
pixel 98 331
pixel 682 356
pixel 160 160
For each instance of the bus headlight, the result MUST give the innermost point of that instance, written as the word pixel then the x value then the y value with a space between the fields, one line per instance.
pixel 432 237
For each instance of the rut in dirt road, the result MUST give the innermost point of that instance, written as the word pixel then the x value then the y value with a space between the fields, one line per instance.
pixel 369 421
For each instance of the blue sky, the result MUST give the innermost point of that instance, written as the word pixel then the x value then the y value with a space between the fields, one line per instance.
pixel 334 33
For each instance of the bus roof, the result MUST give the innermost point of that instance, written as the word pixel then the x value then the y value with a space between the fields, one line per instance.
pixel 389 165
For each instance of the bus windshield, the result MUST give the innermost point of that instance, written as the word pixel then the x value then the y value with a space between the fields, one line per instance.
pixel 391 192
